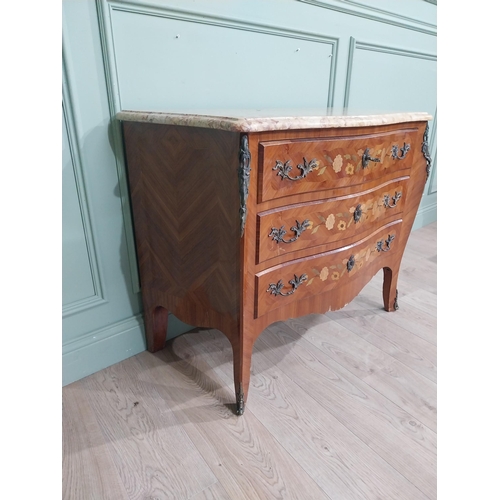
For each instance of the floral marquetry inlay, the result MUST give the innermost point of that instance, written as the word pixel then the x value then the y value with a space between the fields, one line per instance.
pixel 372 208
pixel 337 163
pixel 330 222
pixel 349 266
pixel 349 164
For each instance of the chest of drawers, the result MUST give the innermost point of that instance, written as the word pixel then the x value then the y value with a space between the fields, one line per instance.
pixel 243 220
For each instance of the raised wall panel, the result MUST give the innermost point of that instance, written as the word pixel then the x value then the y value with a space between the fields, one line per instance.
pixel 77 283
pixel 101 326
pixel 401 79
pixel 165 63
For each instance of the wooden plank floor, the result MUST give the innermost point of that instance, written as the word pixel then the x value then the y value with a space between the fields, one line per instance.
pixel 341 406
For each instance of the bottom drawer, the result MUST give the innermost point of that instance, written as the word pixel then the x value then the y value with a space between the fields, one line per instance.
pixel 285 283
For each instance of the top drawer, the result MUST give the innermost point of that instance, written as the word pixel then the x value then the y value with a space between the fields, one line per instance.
pixel 288 167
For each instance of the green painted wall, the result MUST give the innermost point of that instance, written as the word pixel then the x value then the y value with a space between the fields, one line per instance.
pixel 230 53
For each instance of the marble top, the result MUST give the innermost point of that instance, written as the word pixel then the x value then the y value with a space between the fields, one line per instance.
pixel 260 120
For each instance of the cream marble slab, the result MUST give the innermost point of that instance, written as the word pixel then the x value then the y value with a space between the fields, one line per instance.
pixel 260 120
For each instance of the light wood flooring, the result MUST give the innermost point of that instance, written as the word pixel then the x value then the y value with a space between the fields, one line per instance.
pixel 341 406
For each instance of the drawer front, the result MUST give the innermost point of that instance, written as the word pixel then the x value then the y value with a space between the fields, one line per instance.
pixel 296 166
pixel 295 227
pixel 282 284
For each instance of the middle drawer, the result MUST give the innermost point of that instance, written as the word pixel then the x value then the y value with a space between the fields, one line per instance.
pixel 295 227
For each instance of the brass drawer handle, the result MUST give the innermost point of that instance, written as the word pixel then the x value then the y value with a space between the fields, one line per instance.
pixel 404 151
pixel 395 199
pixel 387 242
pixel 275 288
pixel 357 214
pixel 285 168
pixel 350 263
pixel 367 158
pixel 278 234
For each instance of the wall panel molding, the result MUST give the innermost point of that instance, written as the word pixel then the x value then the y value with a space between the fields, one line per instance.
pixel 72 132
pixel 350 63
pixel 398 51
pixel 355 44
pixel 374 14
pixel 148 8
pixel 433 149
pixel 116 137
pixel 106 7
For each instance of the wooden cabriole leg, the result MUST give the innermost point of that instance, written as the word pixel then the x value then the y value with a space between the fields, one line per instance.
pixel 156 320
pixel 242 356
pixel 390 291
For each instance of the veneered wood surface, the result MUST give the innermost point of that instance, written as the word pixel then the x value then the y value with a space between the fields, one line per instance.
pixel 185 202
pixel 330 221
pixel 338 160
pixel 328 271
pixel 342 295
pixel 185 195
